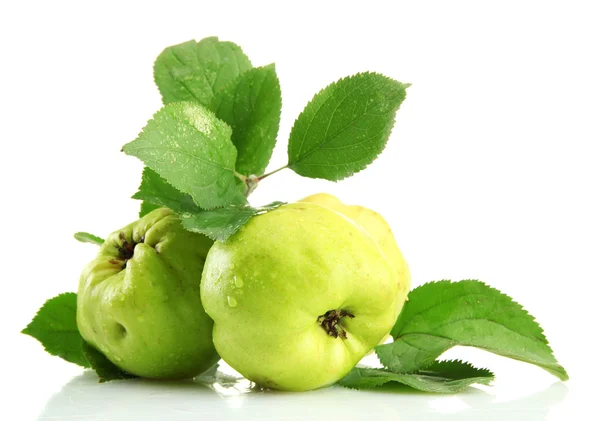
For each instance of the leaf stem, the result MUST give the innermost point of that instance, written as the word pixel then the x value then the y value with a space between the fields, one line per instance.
pixel 240 176
pixel 272 172
pixel 251 184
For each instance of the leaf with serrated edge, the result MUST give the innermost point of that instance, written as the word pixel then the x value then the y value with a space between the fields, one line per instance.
pixel 251 105
pixel 55 327
pixel 155 189
pixel 440 315
pixel 439 377
pixel 191 149
pixel 103 367
pixel 196 71
pixel 345 126
pixel 220 224
pixel 86 237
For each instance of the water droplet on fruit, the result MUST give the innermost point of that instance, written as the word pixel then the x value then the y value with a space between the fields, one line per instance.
pixel 238 281
pixel 231 301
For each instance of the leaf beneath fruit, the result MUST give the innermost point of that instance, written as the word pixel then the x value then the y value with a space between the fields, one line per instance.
pixel 220 224
pixel 345 126
pixel 55 327
pixel 103 367
pixel 440 315
pixel 439 377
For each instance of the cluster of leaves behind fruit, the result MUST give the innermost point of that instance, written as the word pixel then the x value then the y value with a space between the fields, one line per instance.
pixel 207 149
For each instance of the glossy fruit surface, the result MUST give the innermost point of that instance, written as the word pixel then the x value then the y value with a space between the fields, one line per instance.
pixel 379 230
pixel 299 295
pixel 139 299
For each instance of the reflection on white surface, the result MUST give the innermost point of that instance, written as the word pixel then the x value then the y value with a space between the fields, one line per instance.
pixel 221 396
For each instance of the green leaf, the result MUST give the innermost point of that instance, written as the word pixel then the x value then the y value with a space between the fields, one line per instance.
pixel 191 149
pixel 156 191
pixel 196 71
pixel 251 105
pixel 55 327
pixel 86 237
pixel 439 377
pixel 146 208
pixel 220 224
pixel 440 315
pixel 345 126
pixel 103 367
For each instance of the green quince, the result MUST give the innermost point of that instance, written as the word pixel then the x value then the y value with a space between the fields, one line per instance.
pixel 298 296
pixel 379 230
pixel 139 299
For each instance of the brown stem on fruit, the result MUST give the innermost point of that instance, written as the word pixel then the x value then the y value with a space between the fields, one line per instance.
pixel 330 321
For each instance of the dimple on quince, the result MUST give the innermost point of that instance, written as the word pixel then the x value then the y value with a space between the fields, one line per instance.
pixel 139 299
pixel 298 296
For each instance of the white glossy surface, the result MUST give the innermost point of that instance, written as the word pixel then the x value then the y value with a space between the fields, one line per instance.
pixel 225 398
pixel 61 391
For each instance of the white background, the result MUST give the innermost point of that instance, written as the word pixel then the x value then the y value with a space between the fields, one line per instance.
pixel 491 173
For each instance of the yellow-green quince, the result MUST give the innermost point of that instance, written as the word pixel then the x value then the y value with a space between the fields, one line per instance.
pixel 139 299
pixel 298 296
